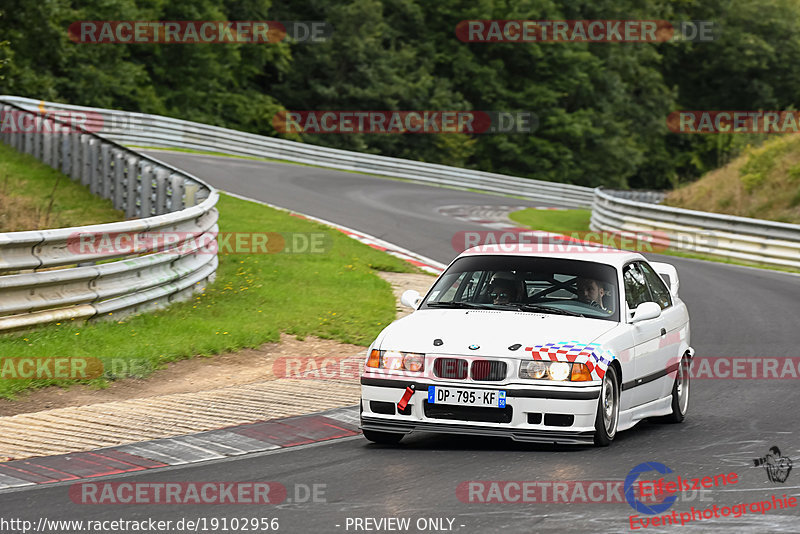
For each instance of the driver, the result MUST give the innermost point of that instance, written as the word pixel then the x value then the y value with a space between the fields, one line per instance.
pixel 590 291
pixel 503 288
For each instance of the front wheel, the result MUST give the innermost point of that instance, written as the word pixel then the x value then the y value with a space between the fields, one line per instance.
pixel 680 393
pixel 605 424
pixel 384 438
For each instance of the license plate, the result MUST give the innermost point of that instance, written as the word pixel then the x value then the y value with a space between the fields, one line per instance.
pixel 491 398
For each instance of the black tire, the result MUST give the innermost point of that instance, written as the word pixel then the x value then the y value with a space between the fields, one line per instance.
pixel 607 419
pixel 680 393
pixel 384 438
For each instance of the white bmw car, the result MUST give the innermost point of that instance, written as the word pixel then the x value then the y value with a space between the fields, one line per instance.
pixel 560 345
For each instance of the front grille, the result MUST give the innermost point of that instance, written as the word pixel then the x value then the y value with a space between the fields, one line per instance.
pixel 488 370
pixel 452 368
pixel 468 413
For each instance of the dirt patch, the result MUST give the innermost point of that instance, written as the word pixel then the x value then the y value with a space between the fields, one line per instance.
pixel 205 373
pixel 185 376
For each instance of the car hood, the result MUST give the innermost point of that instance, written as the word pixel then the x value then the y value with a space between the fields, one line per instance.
pixel 493 331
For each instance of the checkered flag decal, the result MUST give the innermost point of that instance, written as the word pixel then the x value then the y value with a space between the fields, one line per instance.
pixel 592 355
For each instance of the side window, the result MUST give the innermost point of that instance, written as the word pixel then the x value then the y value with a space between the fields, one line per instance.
pixel 657 286
pixel 636 291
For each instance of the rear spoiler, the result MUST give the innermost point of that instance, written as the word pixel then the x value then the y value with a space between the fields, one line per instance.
pixel 670 276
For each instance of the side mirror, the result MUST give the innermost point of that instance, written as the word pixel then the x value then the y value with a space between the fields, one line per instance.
pixel 645 311
pixel 411 299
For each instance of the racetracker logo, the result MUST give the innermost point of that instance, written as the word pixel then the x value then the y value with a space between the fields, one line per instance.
pixel 728 122
pixel 186 243
pixel 405 122
pixel 198 31
pixel 555 492
pixel 81 368
pixel 177 493
pixel 50 122
pixel 319 368
pixel 740 368
pixel 536 241
pixel 583 31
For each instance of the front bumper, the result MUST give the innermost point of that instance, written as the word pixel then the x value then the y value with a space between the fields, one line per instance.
pixel 554 414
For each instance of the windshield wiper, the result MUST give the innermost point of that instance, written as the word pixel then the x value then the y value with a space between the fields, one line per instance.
pixel 469 305
pixel 546 309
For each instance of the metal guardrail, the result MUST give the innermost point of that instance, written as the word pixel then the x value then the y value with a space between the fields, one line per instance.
pixel 638 195
pixel 140 129
pixel 724 236
pixel 46 277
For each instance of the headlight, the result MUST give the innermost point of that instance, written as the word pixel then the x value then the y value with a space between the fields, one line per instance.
pixel 534 369
pixel 395 360
pixel 559 371
pixel 413 361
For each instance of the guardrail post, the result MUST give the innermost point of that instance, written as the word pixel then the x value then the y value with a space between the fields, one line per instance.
pixel 76 152
pixel 87 158
pixel 66 151
pixel 176 192
pixel 28 143
pixel 5 134
pixel 190 195
pixel 146 192
pixel 36 138
pixel 162 176
pixel 131 185
pixel 118 189
pixel 96 163
pixel 106 181
pixel 48 126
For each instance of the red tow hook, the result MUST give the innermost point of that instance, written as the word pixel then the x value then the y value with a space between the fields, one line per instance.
pixel 401 406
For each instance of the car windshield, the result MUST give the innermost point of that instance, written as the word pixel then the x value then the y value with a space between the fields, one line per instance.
pixel 530 284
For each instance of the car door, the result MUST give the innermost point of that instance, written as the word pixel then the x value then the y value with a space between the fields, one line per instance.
pixel 645 386
pixel 671 322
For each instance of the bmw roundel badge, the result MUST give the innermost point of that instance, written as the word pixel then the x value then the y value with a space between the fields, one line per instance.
pixel 474 347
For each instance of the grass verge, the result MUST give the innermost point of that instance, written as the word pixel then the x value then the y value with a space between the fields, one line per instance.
pixel 332 295
pixel 577 221
pixel 28 187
